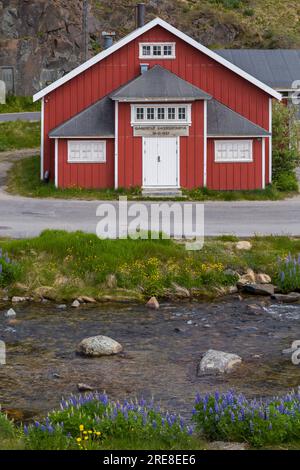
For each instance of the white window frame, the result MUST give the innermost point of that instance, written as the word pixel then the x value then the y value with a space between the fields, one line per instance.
pixel 187 121
pixel 162 56
pixel 239 159
pixel 86 160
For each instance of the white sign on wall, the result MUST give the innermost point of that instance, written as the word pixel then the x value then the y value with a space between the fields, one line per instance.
pixel 160 131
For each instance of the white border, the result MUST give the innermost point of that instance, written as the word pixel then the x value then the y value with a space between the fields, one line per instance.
pixel 42 138
pixel 159 57
pixel 235 142
pixel 270 140
pixel 187 122
pixel 116 144
pixel 56 164
pixel 177 186
pixel 86 142
pixel 138 32
pixel 263 163
pixel 205 146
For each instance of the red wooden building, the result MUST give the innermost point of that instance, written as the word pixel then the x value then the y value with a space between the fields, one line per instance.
pixel 160 111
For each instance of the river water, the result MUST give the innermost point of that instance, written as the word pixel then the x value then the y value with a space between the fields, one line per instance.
pixel 162 350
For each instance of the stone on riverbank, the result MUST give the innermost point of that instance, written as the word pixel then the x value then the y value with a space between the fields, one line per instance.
pixel 243 245
pixel 85 388
pixel 263 278
pixel 84 299
pixel 248 278
pixel 180 292
pixel 10 313
pixel 45 292
pixel 75 304
pixel 99 346
pixel 218 361
pixel 153 303
pixel 257 289
pixel 17 300
pixel 287 298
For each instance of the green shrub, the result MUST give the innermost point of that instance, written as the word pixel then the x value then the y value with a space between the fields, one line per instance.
pixel 287 182
pixel 232 417
pixel 285 150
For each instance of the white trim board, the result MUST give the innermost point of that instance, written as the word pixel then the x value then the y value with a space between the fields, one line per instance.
pixel 42 138
pixel 56 163
pixel 138 32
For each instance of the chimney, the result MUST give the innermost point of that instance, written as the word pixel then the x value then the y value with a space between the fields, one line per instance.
pixel 140 15
pixel 108 39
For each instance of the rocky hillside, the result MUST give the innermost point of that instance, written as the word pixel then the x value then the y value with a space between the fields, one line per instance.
pixel 43 39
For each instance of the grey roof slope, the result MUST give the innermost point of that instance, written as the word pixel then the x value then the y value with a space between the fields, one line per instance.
pixel 223 122
pixel 95 121
pixel 158 84
pixel 278 68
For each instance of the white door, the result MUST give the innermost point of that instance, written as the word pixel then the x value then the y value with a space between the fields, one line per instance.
pixel 160 162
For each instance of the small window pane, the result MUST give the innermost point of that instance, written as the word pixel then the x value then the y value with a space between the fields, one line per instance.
pixel 171 113
pixel 146 50
pixel 140 114
pixel 182 114
pixel 160 113
pixel 150 114
pixel 156 50
pixel 168 50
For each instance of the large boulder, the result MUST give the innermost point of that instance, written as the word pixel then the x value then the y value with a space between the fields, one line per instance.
pixel 259 289
pixel 99 346
pixel 218 361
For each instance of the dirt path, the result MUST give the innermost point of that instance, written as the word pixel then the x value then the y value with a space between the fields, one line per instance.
pixel 9 157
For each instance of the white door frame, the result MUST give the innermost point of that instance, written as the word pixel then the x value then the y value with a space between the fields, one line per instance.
pixel 177 186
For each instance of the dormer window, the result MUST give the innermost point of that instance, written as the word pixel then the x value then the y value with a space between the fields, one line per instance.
pixel 153 50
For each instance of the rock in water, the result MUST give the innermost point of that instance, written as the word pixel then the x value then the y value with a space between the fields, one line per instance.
pixel 10 313
pixel 153 303
pixel 287 299
pixel 16 299
pixel 99 346
pixel 75 304
pixel 218 361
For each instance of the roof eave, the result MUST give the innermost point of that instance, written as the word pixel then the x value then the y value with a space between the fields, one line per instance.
pixel 136 33
pixel 160 99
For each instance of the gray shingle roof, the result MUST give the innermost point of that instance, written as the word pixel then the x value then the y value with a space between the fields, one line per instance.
pixel 278 68
pixel 223 122
pixel 159 84
pixel 95 121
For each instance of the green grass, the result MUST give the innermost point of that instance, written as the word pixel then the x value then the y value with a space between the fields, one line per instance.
pixel 24 179
pixel 19 135
pixel 18 104
pixel 9 439
pixel 74 264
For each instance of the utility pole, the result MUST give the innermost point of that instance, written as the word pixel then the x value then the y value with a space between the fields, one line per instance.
pixel 85 36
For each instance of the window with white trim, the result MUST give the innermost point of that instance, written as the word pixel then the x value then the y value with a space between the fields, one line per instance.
pixel 233 151
pixel 161 114
pixel 161 50
pixel 86 151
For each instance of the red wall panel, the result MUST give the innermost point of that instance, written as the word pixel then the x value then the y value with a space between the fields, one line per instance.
pixel 234 176
pixel 124 65
pixel 85 175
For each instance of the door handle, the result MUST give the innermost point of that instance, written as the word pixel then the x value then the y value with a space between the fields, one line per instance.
pixel 158 159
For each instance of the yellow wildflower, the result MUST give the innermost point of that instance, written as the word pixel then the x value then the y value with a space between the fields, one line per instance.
pixel 81 427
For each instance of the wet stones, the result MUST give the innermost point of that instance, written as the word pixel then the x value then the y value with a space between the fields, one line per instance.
pixel 97 346
pixel 293 297
pixel 218 362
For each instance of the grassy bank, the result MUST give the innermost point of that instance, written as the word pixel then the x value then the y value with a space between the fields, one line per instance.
pixel 19 104
pixel 63 266
pixel 19 135
pixel 24 179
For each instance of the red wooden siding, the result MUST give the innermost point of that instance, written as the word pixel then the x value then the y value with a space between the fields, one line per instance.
pixel 234 176
pixel 85 175
pixel 124 65
pixel 191 150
